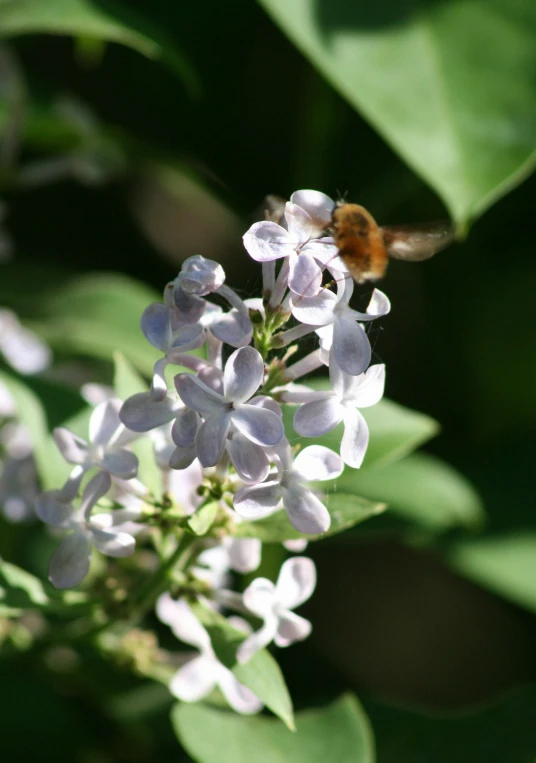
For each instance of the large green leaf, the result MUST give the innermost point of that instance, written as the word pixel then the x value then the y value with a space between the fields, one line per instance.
pixel 97 315
pixel 420 488
pixel 261 673
pixel 394 430
pixel 346 510
pixel 450 85
pixel 506 564
pixel 338 733
pixel 109 20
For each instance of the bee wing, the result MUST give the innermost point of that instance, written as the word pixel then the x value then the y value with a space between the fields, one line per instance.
pixel 415 243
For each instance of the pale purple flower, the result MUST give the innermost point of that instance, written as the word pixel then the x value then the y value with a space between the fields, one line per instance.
pixel 163 328
pixel 274 605
pixel 70 562
pixel 200 675
pixel 229 420
pixel 105 450
pixel 305 510
pixel 22 349
pixel 351 347
pixel 325 410
pixel 141 412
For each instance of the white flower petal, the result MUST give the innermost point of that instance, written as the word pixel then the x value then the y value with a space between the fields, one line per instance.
pixel 249 460
pixel 370 387
pixel 299 223
pixel 233 328
pixel 184 427
pixel 318 417
pixel 317 204
pixel 189 337
pixel 244 553
pixel 189 307
pixel 96 488
pixel 355 438
pixel 243 374
pixel 182 458
pixel 182 621
pixel 316 462
pixel 70 562
pixel 292 628
pixel 296 546
pixel 194 680
pixel 23 349
pixel 72 448
pixel 266 241
pixel 260 597
pixel 51 510
pixel 196 395
pixel 200 276
pixel 141 412
pixel 239 697
pixel 305 275
pixel 257 640
pixel 258 501
pixel 113 543
pixel 296 581
pixel 317 310
pixel 121 463
pixel 156 326
pixel 104 422
pixel 379 304
pixel 210 439
pixel 260 425
pixel 305 511
pixel 351 347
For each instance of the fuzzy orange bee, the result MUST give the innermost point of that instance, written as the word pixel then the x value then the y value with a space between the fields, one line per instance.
pixel 366 247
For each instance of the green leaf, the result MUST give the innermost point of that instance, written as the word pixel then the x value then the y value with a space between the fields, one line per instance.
pixel 97 315
pixel 394 430
pixel 128 382
pixel 420 488
pixel 448 84
pixel 201 521
pixel 506 564
pixel 338 733
pixel 346 510
pixel 110 20
pixel 261 674
pixel 19 591
pixel 31 413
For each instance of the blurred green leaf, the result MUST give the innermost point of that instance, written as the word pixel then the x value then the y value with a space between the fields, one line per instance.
pixel 128 382
pixel 97 315
pixel 201 521
pixel 261 674
pixel 110 20
pixel 420 488
pixel 19 591
pixel 502 733
pixel 450 85
pixel 338 733
pixel 394 430
pixel 346 510
pixel 506 564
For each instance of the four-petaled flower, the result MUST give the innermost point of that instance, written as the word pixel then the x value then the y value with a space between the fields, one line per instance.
pixel 70 562
pixel 200 675
pixel 274 605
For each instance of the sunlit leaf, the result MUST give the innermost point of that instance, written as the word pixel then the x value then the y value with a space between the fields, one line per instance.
pixel 338 732
pixel 450 85
pixel 506 564
pixel 420 488
pixel 110 20
pixel 346 510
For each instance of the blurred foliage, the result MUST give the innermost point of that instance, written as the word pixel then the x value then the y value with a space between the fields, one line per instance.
pixel 118 161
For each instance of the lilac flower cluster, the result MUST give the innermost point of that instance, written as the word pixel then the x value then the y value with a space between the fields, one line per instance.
pixel 219 438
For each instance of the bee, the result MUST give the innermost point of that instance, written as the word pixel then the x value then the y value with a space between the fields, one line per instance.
pixel 366 246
